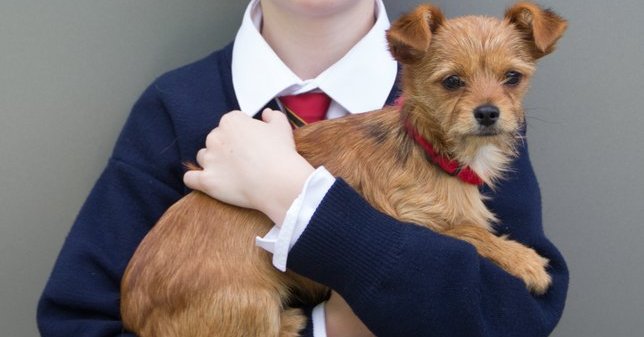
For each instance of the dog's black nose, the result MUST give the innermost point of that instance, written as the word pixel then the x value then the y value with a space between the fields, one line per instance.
pixel 487 114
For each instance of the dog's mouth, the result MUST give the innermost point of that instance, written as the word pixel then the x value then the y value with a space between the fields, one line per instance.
pixel 487 132
pixel 491 135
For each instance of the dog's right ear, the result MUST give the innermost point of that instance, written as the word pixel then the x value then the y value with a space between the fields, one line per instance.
pixel 409 36
pixel 541 27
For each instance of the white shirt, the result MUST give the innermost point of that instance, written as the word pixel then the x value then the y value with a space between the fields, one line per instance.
pixel 354 85
pixel 359 82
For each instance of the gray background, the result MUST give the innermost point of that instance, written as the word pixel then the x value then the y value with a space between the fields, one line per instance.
pixel 70 71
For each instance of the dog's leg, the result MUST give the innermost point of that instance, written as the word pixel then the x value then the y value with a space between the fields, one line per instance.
pixel 515 258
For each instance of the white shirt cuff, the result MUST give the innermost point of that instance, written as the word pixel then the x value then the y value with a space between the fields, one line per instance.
pixel 318 317
pixel 281 238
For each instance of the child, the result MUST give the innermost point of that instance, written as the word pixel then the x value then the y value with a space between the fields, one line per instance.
pixel 401 280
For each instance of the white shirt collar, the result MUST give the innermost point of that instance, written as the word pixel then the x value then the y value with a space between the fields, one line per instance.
pixel 359 82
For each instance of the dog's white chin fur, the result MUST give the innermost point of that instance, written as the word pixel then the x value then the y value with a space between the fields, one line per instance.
pixel 489 163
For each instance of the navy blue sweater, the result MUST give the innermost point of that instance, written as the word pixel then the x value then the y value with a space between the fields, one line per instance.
pixel 401 279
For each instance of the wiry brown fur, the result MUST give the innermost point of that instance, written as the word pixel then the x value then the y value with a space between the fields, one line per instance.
pixel 198 272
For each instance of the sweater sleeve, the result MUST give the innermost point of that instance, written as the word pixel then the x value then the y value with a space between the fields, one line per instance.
pixel 141 179
pixel 406 280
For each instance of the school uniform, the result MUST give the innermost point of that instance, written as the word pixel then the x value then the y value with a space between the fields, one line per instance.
pixel 400 279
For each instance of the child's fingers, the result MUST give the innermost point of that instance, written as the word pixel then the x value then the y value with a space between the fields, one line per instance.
pixel 193 180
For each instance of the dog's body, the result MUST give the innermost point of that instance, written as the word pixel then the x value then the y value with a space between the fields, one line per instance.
pixel 198 272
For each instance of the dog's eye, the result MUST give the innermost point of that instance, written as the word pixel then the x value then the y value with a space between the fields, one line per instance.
pixel 512 78
pixel 453 82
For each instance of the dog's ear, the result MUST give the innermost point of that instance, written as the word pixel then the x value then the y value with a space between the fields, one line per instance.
pixel 541 27
pixel 409 36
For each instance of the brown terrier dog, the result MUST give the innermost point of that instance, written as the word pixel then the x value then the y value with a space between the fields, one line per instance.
pixel 198 272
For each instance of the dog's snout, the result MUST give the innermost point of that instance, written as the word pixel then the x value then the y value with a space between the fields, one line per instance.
pixel 487 114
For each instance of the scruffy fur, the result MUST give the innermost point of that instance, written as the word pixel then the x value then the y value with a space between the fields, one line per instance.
pixel 198 271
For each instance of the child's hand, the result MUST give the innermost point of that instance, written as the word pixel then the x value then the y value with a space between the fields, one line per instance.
pixel 252 164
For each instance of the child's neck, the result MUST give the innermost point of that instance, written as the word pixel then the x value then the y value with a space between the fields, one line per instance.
pixel 309 41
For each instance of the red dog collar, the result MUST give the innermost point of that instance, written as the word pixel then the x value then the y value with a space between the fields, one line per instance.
pixel 451 167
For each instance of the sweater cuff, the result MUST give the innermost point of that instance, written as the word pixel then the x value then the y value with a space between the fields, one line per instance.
pixel 347 244
pixel 281 238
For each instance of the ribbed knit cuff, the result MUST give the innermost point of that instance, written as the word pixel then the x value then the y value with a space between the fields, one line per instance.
pixel 348 244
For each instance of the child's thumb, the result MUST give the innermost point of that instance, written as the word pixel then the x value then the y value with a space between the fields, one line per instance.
pixel 275 117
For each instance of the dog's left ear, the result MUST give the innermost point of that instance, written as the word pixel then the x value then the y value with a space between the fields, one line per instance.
pixel 409 36
pixel 542 27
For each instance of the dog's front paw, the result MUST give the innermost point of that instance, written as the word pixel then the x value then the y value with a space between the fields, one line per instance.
pixel 522 262
pixel 531 268
pixel 535 275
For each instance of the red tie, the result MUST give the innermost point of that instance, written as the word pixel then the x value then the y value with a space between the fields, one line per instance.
pixel 305 108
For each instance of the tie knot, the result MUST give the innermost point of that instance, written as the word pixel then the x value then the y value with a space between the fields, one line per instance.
pixel 305 108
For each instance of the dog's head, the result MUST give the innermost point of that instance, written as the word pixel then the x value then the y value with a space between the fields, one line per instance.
pixel 464 79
